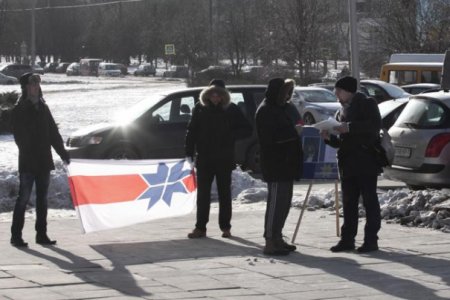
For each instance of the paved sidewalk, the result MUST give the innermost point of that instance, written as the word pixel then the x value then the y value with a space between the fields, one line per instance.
pixel 155 260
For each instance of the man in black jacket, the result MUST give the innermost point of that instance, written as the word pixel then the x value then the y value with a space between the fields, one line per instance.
pixel 281 160
pixel 358 168
pixel 35 132
pixel 215 125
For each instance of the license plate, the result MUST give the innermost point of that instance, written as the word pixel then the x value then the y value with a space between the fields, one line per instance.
pixel 402 152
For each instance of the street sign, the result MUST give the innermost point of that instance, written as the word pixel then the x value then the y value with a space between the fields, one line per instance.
pixel 169 49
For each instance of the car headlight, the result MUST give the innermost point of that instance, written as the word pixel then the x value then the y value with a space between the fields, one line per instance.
pixel 79 141
pixel 94 140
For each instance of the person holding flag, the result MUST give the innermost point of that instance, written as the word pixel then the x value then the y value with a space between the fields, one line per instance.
pixel 215 125
pixel 35 133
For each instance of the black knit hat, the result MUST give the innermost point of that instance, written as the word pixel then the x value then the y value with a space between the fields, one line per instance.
pixel 347 83
pixel 274 87
pixel 23 80
pixel 217 83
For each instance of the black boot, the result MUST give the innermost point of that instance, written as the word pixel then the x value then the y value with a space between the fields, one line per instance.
pixel 287 246
pixel 368 247
pixel 43 239
pixel 343 246
pixel 274 247
pixel 18 242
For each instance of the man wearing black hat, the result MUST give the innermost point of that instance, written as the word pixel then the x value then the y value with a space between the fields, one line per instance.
pixel 215 125
pixel 358 169
pixel 281 161
pixel 35 132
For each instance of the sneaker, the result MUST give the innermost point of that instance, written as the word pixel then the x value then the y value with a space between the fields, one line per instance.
pixel 197 233
pixel 368 247
pixel 226 233
pixel 44 240
pixel 288 246
pixel 343 246
pixel 274 247
pixel 18 242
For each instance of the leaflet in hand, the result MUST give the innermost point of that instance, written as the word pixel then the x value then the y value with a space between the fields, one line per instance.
pixel 328 125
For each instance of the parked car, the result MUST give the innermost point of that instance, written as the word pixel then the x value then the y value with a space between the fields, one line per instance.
pixel 38 69
pixel 177 72
pixel 5 79
pixel 381 90
pixel 417 88
pixel 155 128
pixel 390 110
pixel 145 70
pixel 109 69
pixel 421 137
pixel 211 72
pixel 324 85
pixel 15 70
pixel 123 69
pixel 73 69
pixel 315 104
pixel 50 67
pixel 62 67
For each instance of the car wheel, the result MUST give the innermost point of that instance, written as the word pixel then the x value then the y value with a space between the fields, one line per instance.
pixel 123 152
pixel 309 119
pixel 253 160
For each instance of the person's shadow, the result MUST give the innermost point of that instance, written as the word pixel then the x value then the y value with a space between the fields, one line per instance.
pixel 381 281
pixel 93 273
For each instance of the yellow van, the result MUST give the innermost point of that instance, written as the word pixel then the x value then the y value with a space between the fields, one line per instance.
pixel 402 73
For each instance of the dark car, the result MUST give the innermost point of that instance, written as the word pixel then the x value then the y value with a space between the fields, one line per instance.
pixel 62 67
pixel 15 70
pixel 155 128
pixel 145 70
pixel 50 67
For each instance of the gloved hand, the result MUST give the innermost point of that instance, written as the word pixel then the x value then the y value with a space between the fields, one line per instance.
pixel 66 159
pixel 191 161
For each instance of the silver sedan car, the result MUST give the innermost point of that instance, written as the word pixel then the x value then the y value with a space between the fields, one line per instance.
pixel 314 104
pixel 421 137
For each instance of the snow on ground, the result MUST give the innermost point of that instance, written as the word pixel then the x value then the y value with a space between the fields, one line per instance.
pixel 80 101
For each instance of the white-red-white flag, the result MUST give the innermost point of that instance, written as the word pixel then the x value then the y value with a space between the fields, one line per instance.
pixel 116 193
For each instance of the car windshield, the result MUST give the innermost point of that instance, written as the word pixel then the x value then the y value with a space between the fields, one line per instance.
pixel 420 113
pixel 317 96
pixel 137 110
pixel 394 90
pixel 112 67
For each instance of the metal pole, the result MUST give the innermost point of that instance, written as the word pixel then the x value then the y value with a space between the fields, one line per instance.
pixel 33 35
pixel 354 48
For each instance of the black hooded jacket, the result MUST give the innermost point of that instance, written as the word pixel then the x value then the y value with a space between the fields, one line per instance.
pixel 280 145
pixel 356 155
pixel 213 130
pixel 35 132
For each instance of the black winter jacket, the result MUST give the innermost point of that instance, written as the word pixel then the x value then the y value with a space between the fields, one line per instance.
pixel 35 132
pixel 213 130
pixel 280 145
pixel 356 155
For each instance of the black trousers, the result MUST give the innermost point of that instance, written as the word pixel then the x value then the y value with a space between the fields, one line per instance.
pixel 27 180
pixel 279 201
pixel 205 178
pixel 352 189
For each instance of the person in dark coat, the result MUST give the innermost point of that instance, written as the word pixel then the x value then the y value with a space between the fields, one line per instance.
pixel 281 160
pixel 35 132
pixel 215 125
pixel 358 168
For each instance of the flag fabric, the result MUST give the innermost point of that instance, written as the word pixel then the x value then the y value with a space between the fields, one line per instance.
pixel 116 193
